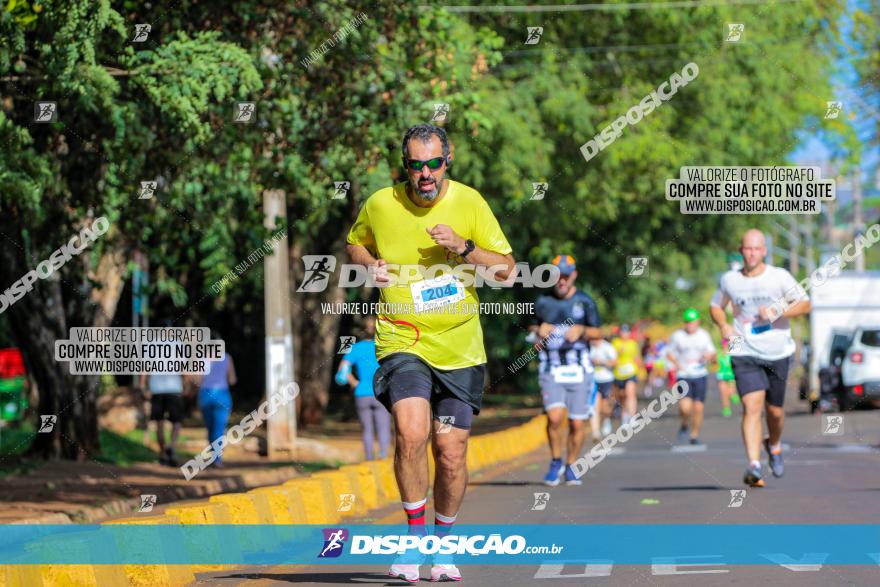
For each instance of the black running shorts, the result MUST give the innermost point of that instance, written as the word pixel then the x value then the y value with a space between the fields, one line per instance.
pixel 696 388
pixel 754 374
pixel 455 396
pixel 166 403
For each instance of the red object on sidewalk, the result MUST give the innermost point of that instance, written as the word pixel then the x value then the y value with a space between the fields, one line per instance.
pixel 11 363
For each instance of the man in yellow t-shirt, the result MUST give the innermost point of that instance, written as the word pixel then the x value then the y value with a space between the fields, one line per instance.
pixel 629 362
pixel 420 240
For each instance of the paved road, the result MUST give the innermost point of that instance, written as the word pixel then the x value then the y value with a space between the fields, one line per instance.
pixel 829 479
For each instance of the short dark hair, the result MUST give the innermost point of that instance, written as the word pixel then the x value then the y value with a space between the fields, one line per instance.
pixel 424 132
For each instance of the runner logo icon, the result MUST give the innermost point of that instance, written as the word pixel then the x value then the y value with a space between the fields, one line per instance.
pixel 47 423
pixel 734 32
pixel 340 189
pixel 540 189
pixel 735 343
pixel 534 35
pixel 833 110
pixel 440 112
pixel 141 32
pixel 345 344
pixel 346 501
pixel 45 112
pixel 638 266
pixel 541 501
pixel 244 112
pixel 334 540
pixel 147 503
pixel 833 425
pixel 446 423
pixel 737 497
pixel 148 190
pixel 318 271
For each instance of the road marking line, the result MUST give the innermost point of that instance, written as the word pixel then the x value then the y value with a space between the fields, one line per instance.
pixel 689 448
pixel 860 448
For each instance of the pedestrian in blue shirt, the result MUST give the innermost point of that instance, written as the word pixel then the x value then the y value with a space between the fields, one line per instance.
pixel 356 370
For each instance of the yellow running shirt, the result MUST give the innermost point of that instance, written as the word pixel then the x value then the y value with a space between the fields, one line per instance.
pixel 392 228
pixel 627 352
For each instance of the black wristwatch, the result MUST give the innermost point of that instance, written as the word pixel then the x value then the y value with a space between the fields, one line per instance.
pixel 469 247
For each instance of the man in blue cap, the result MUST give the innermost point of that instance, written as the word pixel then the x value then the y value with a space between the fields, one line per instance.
pixel 563 322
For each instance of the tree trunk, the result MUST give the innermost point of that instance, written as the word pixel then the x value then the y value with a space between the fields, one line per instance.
pixel 315 334
pixel 37 320
pixel 314 338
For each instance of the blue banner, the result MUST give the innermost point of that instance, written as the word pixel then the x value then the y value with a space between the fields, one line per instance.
pixel 636 544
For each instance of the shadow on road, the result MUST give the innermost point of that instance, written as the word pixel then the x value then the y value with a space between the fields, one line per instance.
pixel 318 578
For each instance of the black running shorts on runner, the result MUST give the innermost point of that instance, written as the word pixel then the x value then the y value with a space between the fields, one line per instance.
pixel 455 396
pixel 696 388
pixel 754 374
pixel 166 403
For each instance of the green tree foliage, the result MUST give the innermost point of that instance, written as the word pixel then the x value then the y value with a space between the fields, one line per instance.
pixel 162 110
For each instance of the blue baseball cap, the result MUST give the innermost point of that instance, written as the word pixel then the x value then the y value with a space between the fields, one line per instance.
pixel 565 263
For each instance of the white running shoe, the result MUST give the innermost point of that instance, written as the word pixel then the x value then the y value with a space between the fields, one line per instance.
pixel 409 573
pixel 440 573
pixel 606 428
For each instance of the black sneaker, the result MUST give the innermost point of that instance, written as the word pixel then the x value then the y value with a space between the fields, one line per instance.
pixel 696 442
pixel 163 458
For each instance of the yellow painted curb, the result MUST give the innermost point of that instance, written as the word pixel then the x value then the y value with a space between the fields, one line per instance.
pixel 342 485
pixel 285 503
pixel 244 508
pixel 387 481
pixel 310 500
pixel 153 575
pixel 368 487
pixel 379 469
pixel 206 513
pixel 20 576
pixel 77 546
pixel 317 499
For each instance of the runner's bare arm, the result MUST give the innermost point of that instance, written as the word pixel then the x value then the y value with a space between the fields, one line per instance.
pixel 575 332
pixel 503 265
pixel 719 315
pixel 360 255
pixel 797 309
pixel 592 332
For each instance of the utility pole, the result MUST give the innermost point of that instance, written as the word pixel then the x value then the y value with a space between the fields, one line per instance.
pixel 810 246
pixel 281 427
pixel 858 221
pixel 794 245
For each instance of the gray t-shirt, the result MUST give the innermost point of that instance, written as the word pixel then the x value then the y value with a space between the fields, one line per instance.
pixel 761 339
pixel 689 351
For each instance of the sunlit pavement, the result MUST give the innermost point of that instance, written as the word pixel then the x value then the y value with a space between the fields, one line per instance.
pixel 829 479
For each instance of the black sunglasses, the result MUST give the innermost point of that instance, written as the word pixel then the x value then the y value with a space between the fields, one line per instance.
pixel 417 165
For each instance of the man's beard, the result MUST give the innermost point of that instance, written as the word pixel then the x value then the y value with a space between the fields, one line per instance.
pixel 427 196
